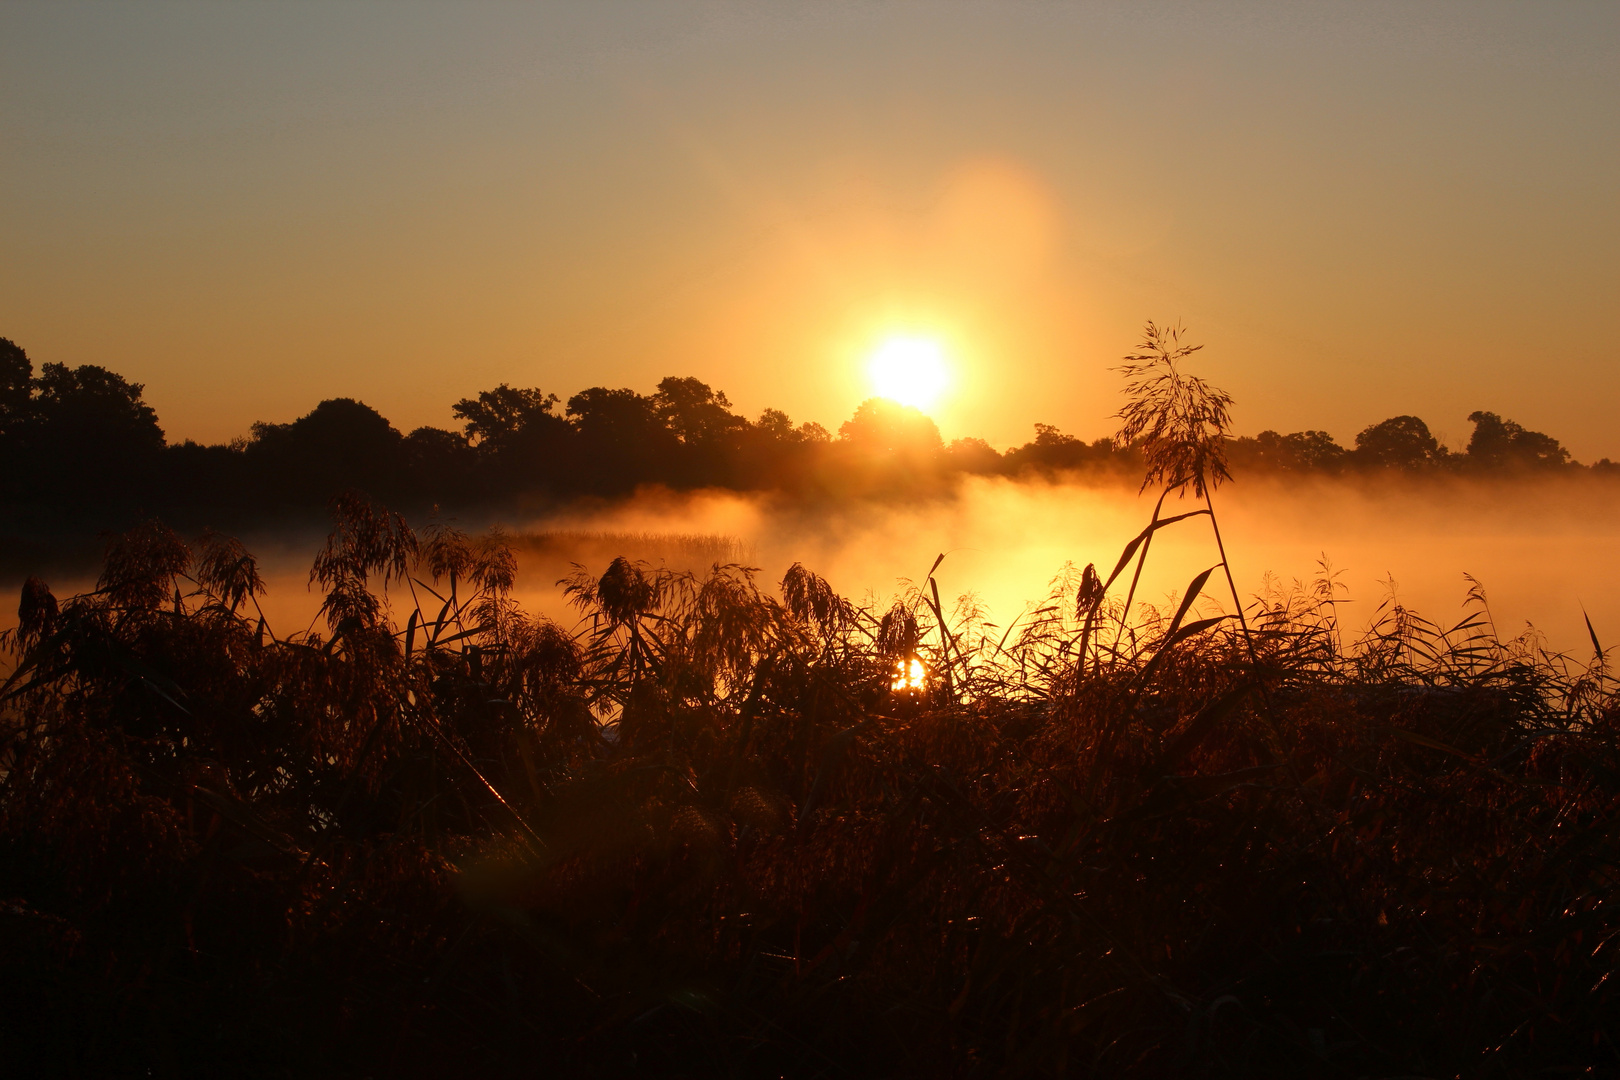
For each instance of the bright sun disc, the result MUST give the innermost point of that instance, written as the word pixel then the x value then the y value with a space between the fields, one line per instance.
pixel 909 370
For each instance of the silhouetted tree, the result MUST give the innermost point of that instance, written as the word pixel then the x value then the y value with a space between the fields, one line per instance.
pixel 1299 451
pixel 774 453
pixel 16 380
pixel 776 426
pixel 341 444
pixel 881 425
pixel 86 434
pixel 622 439
pixel 711 435
pixel 16 394
pixel 1052 451
pixel 1401 442
pixel 972 455
pixel 96 407
pixel 1498 443
pixel 1050 438
pixel 212 477
pixel 885 448
pixel 441 466
pixel 501 417
pixel 694 411
pixel 522 443
pixel 812 432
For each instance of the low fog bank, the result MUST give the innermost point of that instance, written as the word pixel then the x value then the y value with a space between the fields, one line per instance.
pixel 1542 548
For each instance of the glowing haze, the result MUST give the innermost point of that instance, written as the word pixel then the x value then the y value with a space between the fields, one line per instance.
pixel 1363 209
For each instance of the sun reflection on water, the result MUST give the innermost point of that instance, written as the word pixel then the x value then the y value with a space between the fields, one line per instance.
pixel 909 675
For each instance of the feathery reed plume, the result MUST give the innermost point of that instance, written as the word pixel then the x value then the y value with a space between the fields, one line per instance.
pixel 365 540
pixel 1178 421
pixel 226 570
pixel 36 614
pixel 142 565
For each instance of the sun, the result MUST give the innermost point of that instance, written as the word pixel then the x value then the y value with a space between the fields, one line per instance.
pixel 910 370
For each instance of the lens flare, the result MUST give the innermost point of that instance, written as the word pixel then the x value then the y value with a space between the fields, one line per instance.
pixel 909 370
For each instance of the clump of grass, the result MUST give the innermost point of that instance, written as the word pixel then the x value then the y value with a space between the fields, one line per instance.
pixel 709 831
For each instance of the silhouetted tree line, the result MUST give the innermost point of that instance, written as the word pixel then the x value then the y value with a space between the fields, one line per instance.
pixel 82 442
pixel 1405 443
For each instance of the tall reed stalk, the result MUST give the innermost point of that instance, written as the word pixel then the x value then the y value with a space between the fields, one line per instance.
pixel 1179 423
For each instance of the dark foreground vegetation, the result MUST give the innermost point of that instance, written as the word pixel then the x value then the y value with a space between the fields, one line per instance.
pixel 716 835
pixel 80 450
pixel 721 830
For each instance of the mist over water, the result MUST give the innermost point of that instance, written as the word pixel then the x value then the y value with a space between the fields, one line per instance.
pixel 1544 549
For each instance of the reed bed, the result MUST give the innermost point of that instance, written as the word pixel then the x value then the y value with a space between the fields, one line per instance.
pixel 723 829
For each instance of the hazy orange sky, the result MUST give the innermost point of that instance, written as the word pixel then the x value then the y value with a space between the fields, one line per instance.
pixel 1363 209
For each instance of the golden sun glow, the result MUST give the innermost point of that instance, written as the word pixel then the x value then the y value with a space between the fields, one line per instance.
pixel 909 675
pixel 910 370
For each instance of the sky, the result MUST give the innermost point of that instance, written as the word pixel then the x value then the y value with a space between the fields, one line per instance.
pixel 1361 209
